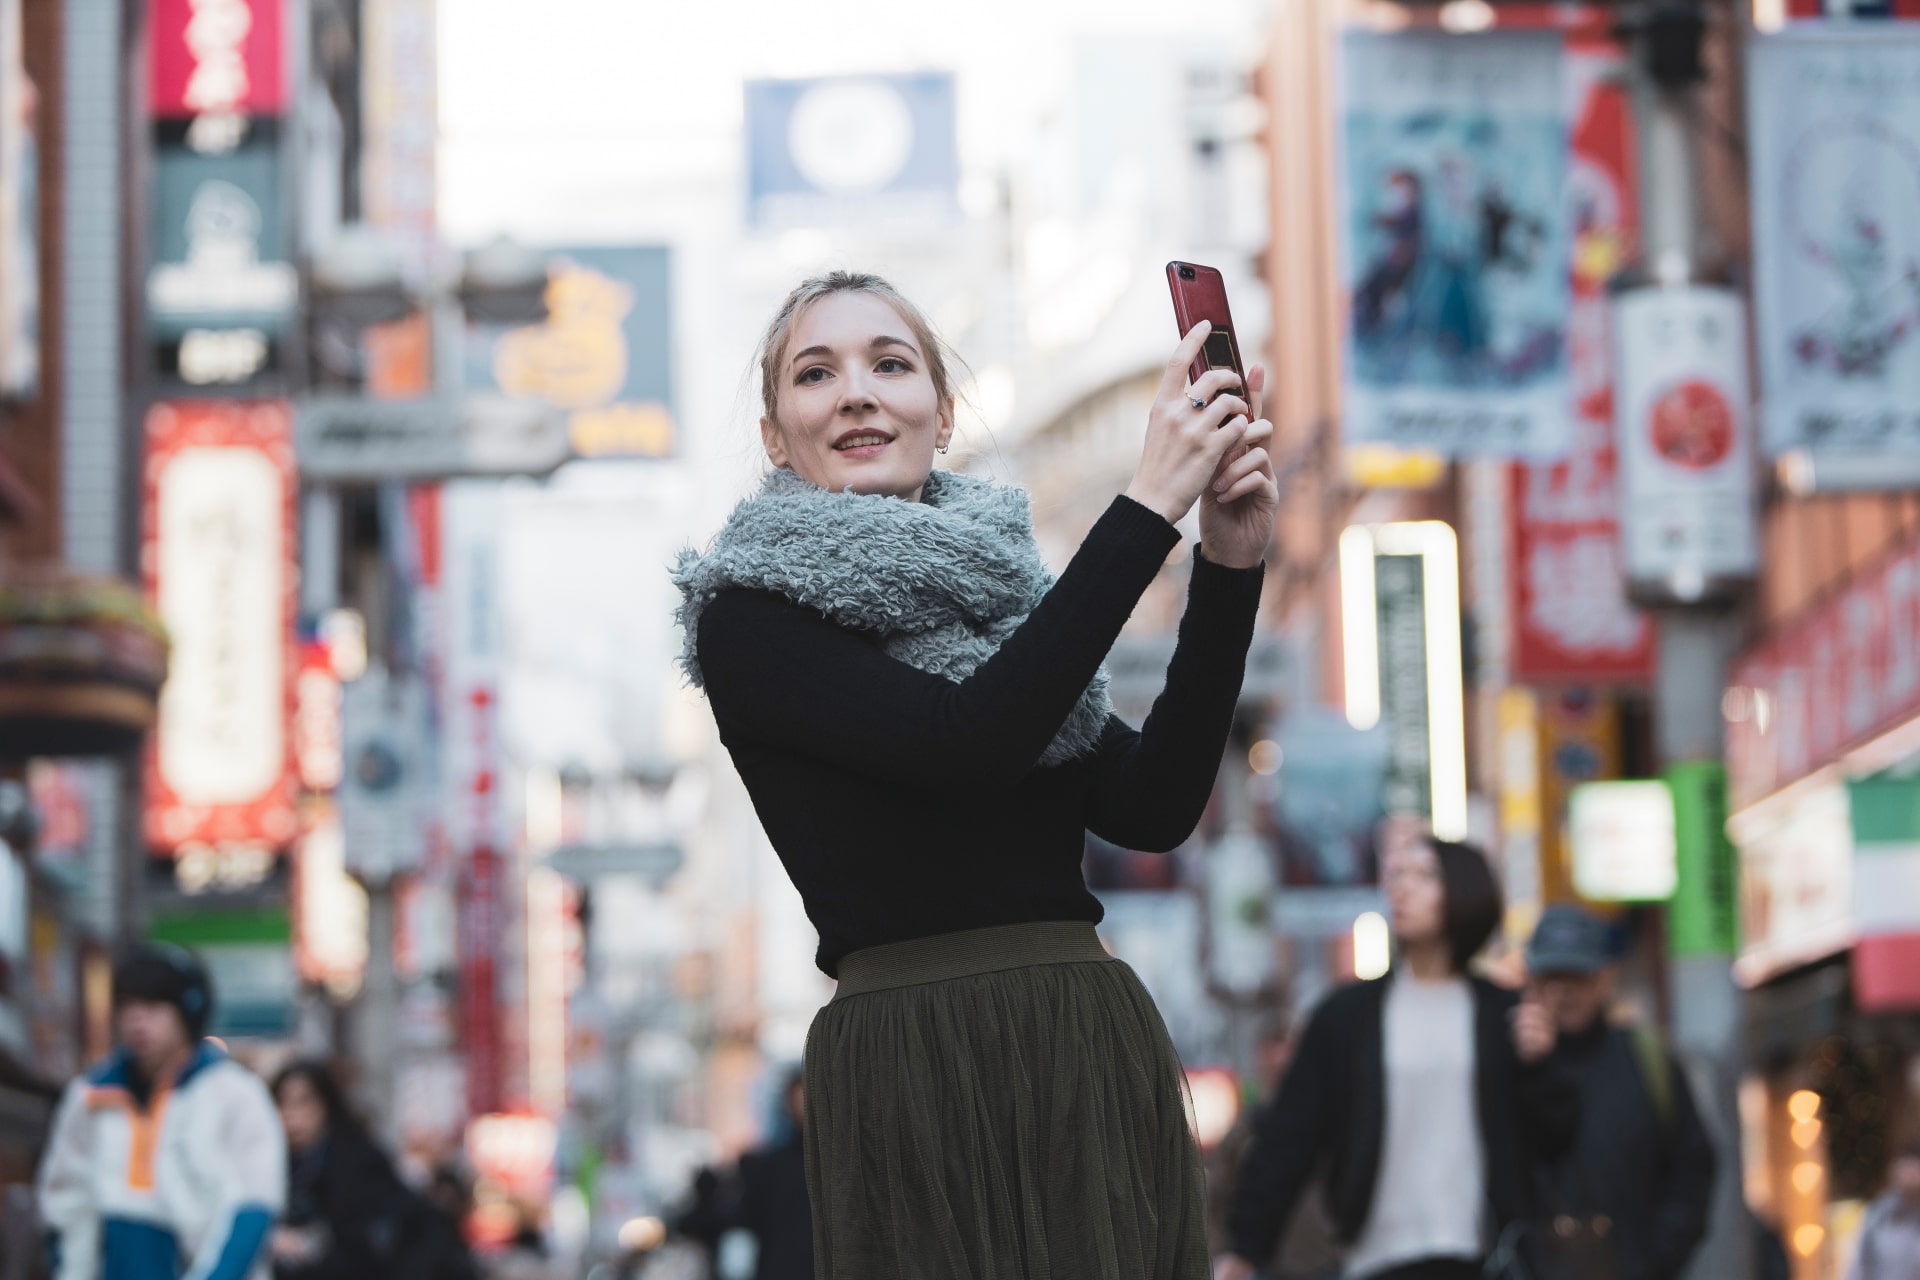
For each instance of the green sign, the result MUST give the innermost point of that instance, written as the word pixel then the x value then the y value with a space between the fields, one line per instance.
pixel 249 955
pixel 1703 917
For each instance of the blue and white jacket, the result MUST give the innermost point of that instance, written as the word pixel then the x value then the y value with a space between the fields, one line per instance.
pixel 183 1188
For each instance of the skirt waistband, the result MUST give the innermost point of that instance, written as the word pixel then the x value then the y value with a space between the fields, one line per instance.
pixel 970 952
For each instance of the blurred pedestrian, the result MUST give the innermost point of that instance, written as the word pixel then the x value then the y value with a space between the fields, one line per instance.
pixel 1306 1249
pixel 349 1216
pixel 1630 1200
pixel 707 1215
pixel 165 1159
pixel 1890 1235
pixel 773 1195
pixel 916 708
pixel 1425 1098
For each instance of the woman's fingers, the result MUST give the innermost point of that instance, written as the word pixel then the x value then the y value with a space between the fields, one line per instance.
pixel 1254 461
pixel 1225 410
pixel 1253 482
pixel 1215 382
pixel 1174 380
pixel 1256 391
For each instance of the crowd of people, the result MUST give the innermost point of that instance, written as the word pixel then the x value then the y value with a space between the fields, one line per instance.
pixel 1385 1124
pixel 171 1159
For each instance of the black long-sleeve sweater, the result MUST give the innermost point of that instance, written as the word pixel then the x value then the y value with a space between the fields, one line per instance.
pixel 906 805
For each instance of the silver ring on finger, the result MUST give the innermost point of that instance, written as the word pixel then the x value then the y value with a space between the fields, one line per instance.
pixel 1196 402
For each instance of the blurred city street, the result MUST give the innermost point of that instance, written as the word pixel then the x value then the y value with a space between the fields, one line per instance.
pixel 376 374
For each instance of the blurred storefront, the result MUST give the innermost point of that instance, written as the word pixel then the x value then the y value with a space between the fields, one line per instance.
pixel 1824 770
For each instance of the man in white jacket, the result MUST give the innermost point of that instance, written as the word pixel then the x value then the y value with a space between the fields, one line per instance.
pixel 167 1160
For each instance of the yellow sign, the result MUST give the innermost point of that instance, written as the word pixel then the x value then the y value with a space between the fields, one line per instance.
pixel 578 360
pixel 1381 466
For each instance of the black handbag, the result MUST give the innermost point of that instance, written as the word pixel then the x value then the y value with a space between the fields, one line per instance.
pixel 1563 1247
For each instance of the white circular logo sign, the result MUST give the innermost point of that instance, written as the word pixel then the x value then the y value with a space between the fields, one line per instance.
pixel 850 136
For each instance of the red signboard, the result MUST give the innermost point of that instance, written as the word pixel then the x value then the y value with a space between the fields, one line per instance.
pixel 217 58
pixel 482 918
pixel 1572 622
pixel 218 555
pixel 1837 676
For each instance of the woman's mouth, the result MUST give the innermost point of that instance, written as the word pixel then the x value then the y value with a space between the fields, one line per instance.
pixel 864 445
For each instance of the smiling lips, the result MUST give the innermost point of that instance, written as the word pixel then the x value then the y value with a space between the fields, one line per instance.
pixel 862 443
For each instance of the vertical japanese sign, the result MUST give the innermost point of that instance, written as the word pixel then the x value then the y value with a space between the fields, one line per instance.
pixel 19 214
pixel 222 289
pixel 400 170
pixel 1455 242
pixel 1686 439
pixel 1571 618
pixel 1399 584
pixel 1835 138
pixel 218 556
pixel 476 817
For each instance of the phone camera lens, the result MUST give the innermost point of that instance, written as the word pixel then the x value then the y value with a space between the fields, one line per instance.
pixel 1187 273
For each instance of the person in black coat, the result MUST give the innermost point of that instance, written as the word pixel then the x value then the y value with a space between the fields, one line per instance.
pixel 773 1197
pixel 1636 1187
pixel 349 1216
pixel 1424 1099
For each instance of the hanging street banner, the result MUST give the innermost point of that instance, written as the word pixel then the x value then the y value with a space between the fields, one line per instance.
pixel 221 564
pixel 1456 242
pixel 1572 622
pixel 603 357
pixel 1834 136
pixel 871 150
pixel 1686 440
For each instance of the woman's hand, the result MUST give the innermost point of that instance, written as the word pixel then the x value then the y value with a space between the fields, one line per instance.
pixel 1237 510
pixel 1187 442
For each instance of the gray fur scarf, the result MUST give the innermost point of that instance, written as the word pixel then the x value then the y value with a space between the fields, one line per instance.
pixel 941 582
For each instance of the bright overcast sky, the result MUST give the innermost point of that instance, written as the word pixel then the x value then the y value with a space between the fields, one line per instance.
pixel 545 106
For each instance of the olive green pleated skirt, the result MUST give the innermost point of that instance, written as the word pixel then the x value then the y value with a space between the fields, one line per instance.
pixel 999 1104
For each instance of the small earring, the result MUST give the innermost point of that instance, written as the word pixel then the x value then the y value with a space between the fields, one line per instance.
pixel 941 449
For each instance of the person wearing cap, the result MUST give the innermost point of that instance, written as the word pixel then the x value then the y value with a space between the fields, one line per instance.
pixel 166 1160
pixel 1630 1199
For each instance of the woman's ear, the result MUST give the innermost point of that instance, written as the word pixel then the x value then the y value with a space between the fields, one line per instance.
pixel 773 442
pixel 945 435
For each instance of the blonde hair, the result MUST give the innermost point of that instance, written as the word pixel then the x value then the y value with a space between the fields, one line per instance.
pixel 773 344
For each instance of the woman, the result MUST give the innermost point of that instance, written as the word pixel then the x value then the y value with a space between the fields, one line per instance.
pixel 349 1216
pixel 918 713
pixel 1425 1098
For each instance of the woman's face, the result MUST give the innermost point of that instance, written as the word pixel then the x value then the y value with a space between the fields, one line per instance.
pixel 302 1114
pixel 1416 895
pixel 856 402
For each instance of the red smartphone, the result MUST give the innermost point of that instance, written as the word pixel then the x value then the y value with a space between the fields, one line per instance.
pixel 1199 293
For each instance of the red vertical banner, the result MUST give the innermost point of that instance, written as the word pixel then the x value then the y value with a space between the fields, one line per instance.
pixel 217 58
pixel 481 919
pixel 467 557
pixel 1572 621
pixel 219 558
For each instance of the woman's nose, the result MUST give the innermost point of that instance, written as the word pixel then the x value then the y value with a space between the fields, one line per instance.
pixel 854 396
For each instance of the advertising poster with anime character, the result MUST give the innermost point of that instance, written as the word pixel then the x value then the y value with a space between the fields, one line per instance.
pixel 1835 141
pixel 1456 243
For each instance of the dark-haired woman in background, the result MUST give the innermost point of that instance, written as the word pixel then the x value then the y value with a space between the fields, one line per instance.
pixel 1424 1098
pixel 349 1216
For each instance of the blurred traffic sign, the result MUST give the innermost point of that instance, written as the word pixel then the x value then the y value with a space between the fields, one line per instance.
pixel 654 861
pixel 355 438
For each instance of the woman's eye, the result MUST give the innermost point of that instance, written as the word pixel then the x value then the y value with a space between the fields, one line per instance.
pixel 809 375
pixel 894 364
